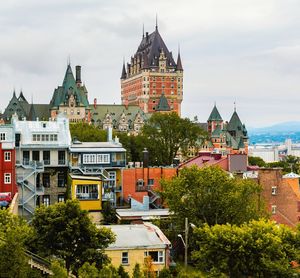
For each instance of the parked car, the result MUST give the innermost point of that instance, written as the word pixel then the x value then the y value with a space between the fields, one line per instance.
pixel 5 199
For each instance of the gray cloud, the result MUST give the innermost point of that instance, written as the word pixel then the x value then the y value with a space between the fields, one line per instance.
pixel 243 51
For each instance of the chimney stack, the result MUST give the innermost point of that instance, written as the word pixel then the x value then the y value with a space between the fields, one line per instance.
pixel 95 103
pixel 78 75
pixel 145 158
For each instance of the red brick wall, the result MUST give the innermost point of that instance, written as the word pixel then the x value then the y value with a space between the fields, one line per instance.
pixel 132 175
pixel 286 199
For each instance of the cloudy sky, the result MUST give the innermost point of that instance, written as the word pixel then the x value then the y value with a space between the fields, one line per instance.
pixel 246 51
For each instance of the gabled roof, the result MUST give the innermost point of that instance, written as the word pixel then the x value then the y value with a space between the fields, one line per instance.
pixel 22 98
pixel 152 45
pixel 62 93
pixel 215 115
pixel 14 106
pixel 163 104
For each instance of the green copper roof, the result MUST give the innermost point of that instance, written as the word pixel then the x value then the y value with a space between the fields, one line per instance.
pixel 62 93
pixel 235 123
pixel 215 115
pixel 163 104
pixel 217 132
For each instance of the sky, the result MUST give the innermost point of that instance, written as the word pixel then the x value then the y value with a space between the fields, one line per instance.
pixel 242 51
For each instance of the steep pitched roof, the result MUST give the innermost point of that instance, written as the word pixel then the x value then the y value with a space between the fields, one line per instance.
pixel 123 75
pixel 163 104
pixel 152 45
pixel 235 123
pixel 22 98
pixel 179 64
pixel 14 106
pixel 32 114
pixel 69 86
pixel 215 115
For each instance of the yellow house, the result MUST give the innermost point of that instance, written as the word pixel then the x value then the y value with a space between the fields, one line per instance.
pixel 135 243
pixel 87 190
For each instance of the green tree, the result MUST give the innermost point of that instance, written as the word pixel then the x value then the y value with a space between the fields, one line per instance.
pixel 209 195
pixel 14 234
pixel 255 249
pixel 109 214
pixel 65 231
pixel 137 272
pixel 122 273
pixel 109 271
pixel 85 132
pixel 88 270
pixel 165 273
pixel 59 271
pixel 256 161
pixel 166 134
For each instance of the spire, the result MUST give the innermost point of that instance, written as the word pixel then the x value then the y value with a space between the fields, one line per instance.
pixel 123 75
pixel 32 114
pixel 143 31
pixel 156 25
pixel 179 64
pixel 14 94
pixel 234 104
pixel 21 97
pixel 215 115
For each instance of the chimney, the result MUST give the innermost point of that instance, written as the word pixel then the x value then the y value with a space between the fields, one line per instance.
pixel 109 134
pixel 78 75
pixel 95 103
pixel 145 158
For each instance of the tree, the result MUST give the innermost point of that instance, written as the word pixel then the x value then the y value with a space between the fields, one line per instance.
pixel 165 273
pixel 87 133
pixel 109 213
pixel 148 268
pixel 255 249
pixel 209 195
pixel 14 234
pixel 65 231
pixel 256 161
pixel 122 273
pixel 109 271
pixel 137 273
pixel 88 270
pixel 166 134
pixel 59 271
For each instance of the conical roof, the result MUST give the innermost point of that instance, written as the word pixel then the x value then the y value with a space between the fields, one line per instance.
pixel 179 64
pixel 215 115
pixel 235 123
pixel 32 113
pixel 22 98
pixel 123 75
pixel 163 104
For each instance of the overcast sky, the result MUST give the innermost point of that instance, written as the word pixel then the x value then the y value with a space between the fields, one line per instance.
pixel 233 50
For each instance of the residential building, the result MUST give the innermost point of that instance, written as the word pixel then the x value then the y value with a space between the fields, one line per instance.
pixel 141 182
pixel 99 159
pixel 7 160
pixel 41 161
pixel 147 241
pixel 152 80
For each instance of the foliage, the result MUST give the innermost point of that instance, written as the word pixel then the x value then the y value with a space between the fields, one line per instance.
pixel 148 268
pixel 14 234
pixel 122 272
pixel 165 134
pixel 255 249
pixel 109 272
pixel 256 161
pixel 209 195
pixel 85 132
pixel 137 273
pixel 165 273
pixel 109 213
pixel 88 270
pixel 65 231
pixel 59 271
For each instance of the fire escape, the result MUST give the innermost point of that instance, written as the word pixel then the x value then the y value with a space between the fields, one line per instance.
pixel 26 180
pixel 153 195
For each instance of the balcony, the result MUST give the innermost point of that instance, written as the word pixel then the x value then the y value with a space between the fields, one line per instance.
pixel 87 196
pixel 118 163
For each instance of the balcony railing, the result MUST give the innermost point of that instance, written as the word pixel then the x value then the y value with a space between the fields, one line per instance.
pixel 87 196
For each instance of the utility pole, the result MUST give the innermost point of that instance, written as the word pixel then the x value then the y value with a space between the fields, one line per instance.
pixel 186 231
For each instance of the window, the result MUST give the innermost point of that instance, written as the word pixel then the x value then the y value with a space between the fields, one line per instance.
pixel 2 136
pixel 78 112
pixel 36 156
pixel 274 190
pixel 7 156
pixel 46 157
pixel 46 200
pixel 7 178
pixel 274 209
pixel 87 191
pixel 46 179
pixel 60 198
pixel 150 181
pixel 96 159
pixel 61 181
pixel 61 158
pixel 25 157
pixel 156 256
pixel 125 258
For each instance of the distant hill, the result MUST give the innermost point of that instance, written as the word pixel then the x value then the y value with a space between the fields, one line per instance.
pixel 286 127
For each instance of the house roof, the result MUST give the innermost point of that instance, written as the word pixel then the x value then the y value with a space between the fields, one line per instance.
pixel 163 104
pixel 139 236
pixel 235 122
pixel 215 115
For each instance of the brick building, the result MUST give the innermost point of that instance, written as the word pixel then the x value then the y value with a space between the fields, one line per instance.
pixel 7 160
pixel 152 80
pixel 139 182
